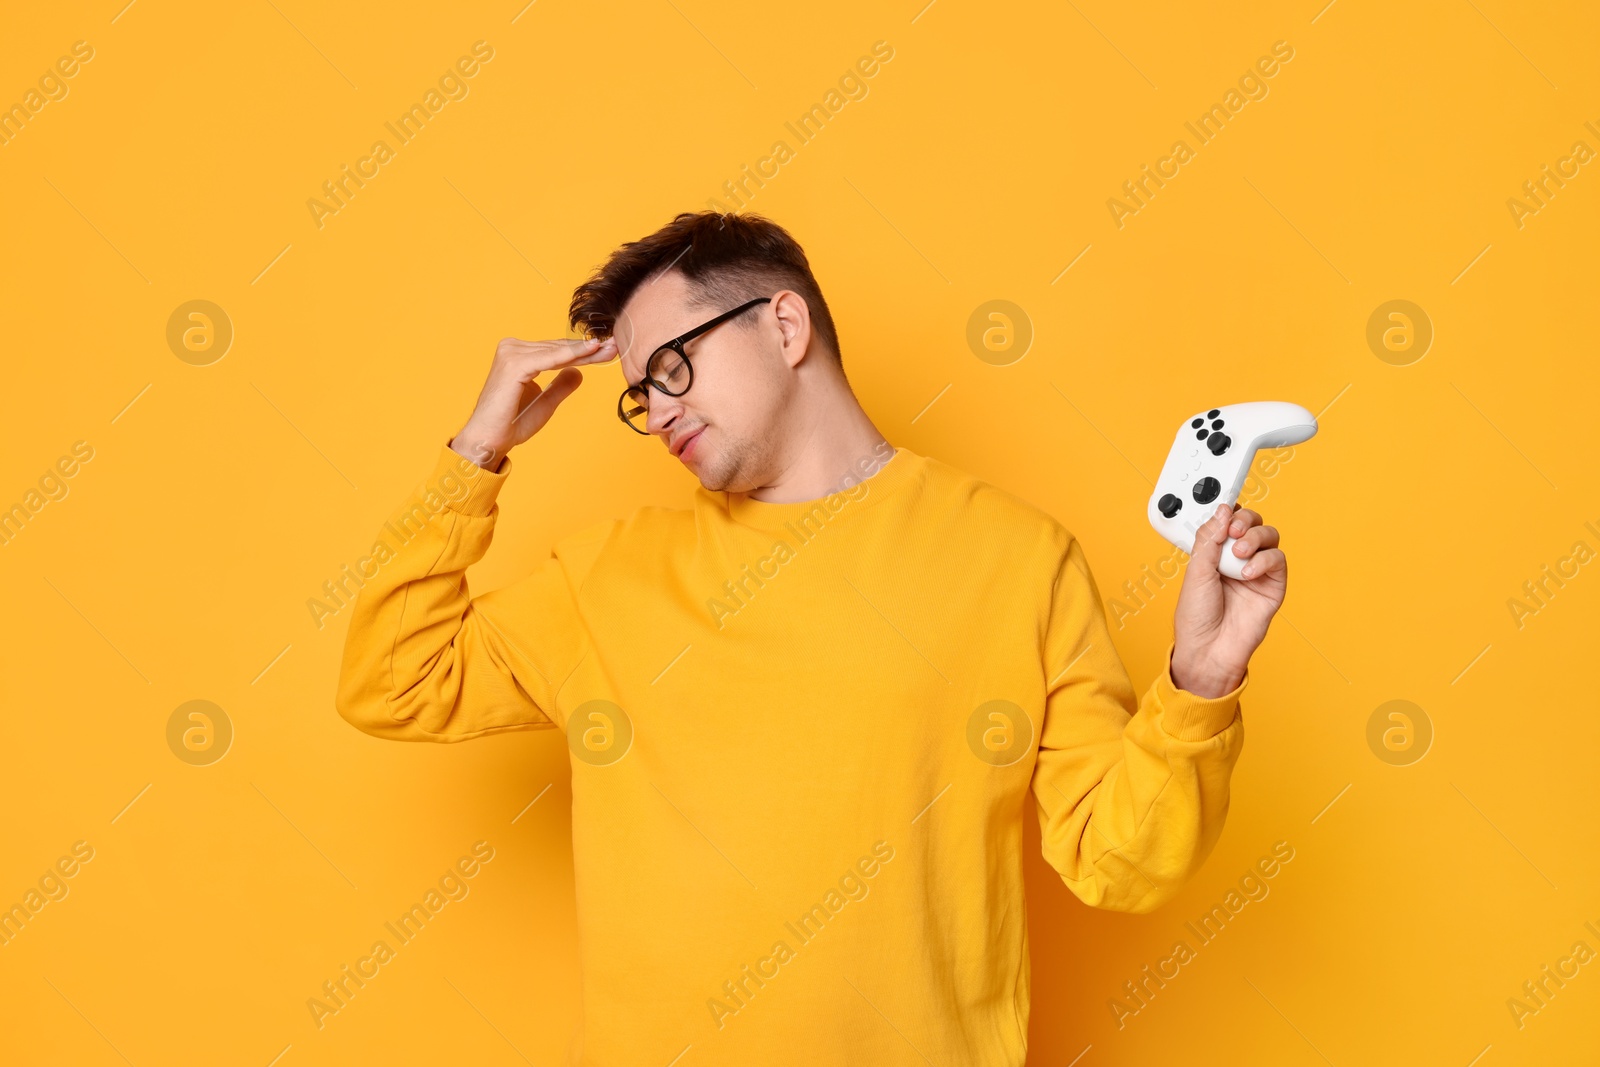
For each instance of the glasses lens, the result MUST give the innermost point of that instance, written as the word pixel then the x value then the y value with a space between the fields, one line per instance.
pixel 671 370
pixel 635 409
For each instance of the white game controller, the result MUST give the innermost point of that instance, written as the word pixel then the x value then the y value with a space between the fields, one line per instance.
pixel 1209 461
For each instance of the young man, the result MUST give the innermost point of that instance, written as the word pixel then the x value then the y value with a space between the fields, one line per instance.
pixel 806 713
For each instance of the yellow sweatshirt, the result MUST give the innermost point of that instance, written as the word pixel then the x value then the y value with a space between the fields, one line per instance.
pixel 802 737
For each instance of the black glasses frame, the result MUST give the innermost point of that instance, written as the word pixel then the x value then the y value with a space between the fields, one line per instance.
pixel 676 345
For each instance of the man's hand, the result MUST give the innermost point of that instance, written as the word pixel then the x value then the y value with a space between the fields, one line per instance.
pixel 512 407
pixel 1219 620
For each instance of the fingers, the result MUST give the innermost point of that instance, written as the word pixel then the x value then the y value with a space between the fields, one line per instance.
pixel 1243 519
pixel 1268 562
pixel 1255 539
pixel 1256 543
pixel 599 350
pixel 1259 545
pixel 528 359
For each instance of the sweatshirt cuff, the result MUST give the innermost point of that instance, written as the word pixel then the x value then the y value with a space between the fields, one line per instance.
pixel 452 472
pixel 1190 717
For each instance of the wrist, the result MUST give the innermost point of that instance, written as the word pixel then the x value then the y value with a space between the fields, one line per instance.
pixel 1203 679
pixel 479 450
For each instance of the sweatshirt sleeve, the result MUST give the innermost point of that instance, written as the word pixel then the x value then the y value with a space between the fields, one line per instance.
pixel 425 661
pixel 1132 794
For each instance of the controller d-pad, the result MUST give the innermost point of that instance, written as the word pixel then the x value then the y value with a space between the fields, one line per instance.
pixel 1218 442
pixel 1168 505
pixel 1206 490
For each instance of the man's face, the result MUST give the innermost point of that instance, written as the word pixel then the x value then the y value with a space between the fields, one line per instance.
pixel 724 428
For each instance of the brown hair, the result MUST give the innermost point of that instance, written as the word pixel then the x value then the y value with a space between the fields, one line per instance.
pixel 727 258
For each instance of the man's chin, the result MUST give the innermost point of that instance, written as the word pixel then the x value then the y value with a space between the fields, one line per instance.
pixel 713 478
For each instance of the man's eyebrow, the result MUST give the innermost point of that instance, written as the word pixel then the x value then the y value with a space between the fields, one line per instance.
pixel 632 385
pixel 653 351
pixel 625 380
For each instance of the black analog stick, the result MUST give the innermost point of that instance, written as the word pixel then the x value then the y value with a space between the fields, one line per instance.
pixel 1206 490
pixel 1168 505
pixel 1218 443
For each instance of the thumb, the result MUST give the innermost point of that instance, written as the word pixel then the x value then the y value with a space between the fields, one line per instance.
pixel 550 397
pixel 563 385
pixel 1208 542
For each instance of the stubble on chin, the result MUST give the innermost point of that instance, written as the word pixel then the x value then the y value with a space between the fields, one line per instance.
pixel 725 469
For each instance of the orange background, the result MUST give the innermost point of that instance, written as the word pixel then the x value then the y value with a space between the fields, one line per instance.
pixel 977 167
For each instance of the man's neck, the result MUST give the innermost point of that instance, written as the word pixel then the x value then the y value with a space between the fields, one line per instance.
pixel 832 452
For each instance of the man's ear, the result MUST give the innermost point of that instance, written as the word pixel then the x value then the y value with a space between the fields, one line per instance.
pixel 794 325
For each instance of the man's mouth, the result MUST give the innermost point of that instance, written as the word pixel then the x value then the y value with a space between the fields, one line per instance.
pixel 685 443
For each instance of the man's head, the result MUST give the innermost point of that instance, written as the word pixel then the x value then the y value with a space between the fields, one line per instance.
pixel 758 377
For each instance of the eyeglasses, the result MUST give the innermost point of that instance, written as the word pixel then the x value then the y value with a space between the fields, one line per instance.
pixel 669 370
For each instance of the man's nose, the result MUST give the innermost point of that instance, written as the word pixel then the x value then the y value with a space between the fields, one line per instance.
pixel 663 412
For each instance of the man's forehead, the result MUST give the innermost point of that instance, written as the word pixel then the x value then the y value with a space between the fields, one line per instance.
pixel 655 313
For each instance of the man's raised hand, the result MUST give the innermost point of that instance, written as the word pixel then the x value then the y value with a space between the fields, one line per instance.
pixel 513 407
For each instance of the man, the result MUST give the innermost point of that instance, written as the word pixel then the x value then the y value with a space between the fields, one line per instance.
pixel 804 714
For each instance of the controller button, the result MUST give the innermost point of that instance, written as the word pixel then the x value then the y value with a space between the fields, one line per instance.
pixel 1197 423
pixel 1216 424
pixel 1206 490
pixel 1201 436
pixel 1213 413
pixel 1218 443
pixel 1169 505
